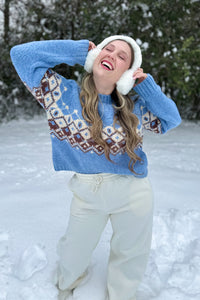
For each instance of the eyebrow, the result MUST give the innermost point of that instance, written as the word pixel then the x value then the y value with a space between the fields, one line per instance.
pixel 113 46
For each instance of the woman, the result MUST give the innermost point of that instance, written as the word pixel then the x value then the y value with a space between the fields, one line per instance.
pixel 96 131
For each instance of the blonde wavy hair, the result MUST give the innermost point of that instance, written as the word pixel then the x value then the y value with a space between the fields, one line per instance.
pixel 123 116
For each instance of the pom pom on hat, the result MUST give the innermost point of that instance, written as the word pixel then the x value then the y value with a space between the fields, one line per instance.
pixel 126 82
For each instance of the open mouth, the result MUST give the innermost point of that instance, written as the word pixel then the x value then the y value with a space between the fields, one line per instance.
pixel 107 65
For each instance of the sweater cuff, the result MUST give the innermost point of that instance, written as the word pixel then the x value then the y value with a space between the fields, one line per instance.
pixel 147 87
pixel 83 47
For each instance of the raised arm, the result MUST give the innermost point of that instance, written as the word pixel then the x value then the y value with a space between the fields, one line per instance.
pixel 32 60
pixel 157 109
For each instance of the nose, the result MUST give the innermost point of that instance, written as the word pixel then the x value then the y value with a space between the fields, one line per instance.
pixel 111 56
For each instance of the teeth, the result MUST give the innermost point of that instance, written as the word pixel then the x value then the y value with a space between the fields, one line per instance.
pixel 107 65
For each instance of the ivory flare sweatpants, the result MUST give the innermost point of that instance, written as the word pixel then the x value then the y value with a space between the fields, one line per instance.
pixel 128 202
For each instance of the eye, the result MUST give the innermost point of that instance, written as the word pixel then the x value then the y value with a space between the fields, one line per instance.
pixel 108 49
pixel 121 57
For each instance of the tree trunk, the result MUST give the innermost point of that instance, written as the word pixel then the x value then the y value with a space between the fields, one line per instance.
pixel 6 21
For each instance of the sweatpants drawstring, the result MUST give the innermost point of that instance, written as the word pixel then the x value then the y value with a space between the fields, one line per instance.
pixel 98 180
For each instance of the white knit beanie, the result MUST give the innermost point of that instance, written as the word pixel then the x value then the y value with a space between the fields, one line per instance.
pixel 126 82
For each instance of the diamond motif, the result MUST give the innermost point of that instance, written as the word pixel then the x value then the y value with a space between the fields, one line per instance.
pixel 71 127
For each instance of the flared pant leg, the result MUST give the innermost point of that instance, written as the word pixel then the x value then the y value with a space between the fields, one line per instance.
pixel 130 243
pixel 76 246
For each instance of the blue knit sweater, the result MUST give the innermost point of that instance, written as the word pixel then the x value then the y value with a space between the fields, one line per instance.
pixel 72 146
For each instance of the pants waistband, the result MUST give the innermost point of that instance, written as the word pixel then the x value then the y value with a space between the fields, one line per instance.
pixel 96 177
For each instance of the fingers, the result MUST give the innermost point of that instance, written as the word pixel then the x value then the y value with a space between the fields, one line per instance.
pixel 139 76
pixel 91 46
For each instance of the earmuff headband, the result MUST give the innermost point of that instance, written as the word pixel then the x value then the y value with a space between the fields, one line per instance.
pixel 126 82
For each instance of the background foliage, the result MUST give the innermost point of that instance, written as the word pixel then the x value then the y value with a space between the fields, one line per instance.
pixel 167 32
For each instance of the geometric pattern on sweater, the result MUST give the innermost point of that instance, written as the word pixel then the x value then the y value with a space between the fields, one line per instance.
pixel 77 133
pixel 72 127
pixel 150 122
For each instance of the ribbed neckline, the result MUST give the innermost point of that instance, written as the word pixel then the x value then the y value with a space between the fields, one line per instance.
pixel 105 98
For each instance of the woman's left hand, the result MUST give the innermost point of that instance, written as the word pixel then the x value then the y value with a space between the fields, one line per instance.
pixel 139 76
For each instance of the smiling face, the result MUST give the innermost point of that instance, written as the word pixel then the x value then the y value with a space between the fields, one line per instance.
pixel 114 59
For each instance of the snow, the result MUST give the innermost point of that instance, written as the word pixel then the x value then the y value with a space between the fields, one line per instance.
pixel 167 53
pixel 34 212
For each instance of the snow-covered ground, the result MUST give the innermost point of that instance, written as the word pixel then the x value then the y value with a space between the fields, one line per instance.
pixel 34 208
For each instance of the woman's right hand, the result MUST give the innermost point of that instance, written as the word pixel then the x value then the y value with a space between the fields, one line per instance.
pixel 91 46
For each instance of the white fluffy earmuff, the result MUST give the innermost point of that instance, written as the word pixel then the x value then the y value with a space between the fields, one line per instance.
pixel 126 82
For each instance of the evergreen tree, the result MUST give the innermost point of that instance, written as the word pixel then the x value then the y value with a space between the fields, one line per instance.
pixel 167 32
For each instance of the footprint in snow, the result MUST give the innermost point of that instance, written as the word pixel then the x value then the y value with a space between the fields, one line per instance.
pixel 32 260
